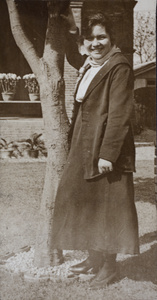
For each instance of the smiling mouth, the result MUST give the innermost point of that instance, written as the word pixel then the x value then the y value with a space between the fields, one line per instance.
pixel 97 50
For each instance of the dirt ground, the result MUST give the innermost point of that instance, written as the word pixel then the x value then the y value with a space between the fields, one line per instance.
pixel 21 189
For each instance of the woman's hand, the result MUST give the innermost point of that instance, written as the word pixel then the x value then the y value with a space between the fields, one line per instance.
pixel 69 18
pixel 104 166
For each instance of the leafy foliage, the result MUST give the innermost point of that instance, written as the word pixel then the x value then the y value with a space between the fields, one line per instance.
pixel 31 83
pixel 3 144
pixel 35 142
pixel 8 82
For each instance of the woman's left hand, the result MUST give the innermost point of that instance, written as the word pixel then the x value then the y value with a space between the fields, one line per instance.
pixel 70 20
pixel 104 166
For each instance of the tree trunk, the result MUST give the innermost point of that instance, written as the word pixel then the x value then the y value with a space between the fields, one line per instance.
pixel 56 132
pixel 57 152
pixel 49 73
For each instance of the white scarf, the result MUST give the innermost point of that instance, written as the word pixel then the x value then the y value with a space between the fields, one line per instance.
pixel 87 76
pixel 101 61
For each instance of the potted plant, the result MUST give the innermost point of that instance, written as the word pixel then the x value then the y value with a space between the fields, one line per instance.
pixel 41 145
pixel 36 145
pixel 5 149
pixel 20 149
pixel 32 86
pixel 8 84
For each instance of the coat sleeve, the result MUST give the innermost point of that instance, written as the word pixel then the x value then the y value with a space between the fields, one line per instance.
pixel 120 108
pixel 73 55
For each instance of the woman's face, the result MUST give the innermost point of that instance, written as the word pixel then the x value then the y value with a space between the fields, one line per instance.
pixel 98 44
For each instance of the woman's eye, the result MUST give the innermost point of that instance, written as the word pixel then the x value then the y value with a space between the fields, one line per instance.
pixel 89 38
pixel 101 37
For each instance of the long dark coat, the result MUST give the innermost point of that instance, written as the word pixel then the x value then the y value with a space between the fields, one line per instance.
pixel 94 211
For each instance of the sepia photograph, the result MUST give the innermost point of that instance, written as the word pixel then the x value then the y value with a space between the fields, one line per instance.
pixel 78 151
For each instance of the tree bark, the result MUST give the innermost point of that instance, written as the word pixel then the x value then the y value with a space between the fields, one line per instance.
pixel 49 72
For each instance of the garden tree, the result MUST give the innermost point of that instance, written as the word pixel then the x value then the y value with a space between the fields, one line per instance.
pixel 48 70
pixel 144 36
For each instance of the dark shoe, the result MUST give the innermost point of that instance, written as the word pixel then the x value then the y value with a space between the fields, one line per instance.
pixel 91 265
pixel 84 267
pixel 106 274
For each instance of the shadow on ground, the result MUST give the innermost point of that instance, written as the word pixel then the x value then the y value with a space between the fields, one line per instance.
pixel 144 190
pixel 142 267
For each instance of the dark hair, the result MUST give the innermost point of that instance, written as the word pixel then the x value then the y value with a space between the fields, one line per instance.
pixel 97 19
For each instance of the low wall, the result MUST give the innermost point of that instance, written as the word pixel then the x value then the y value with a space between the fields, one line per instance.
pixel 16 129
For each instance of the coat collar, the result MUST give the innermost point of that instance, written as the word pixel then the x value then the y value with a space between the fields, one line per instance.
pixel 116 59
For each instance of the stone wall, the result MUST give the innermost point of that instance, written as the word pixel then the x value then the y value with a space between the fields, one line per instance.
pixel 17 129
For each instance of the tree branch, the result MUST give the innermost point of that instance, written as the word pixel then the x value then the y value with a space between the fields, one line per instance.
pixel 144 35
pixel 20 37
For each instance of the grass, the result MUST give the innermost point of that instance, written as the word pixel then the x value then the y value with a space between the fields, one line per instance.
pixel 19 289
pixel 21 189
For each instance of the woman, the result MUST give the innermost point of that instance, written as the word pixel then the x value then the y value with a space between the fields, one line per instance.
pixel 94 208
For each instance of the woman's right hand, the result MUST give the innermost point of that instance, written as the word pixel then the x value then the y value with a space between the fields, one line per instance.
pixel 69 19
pixel 104 166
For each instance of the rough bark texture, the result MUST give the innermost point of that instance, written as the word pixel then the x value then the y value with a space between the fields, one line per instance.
pixel 49 72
